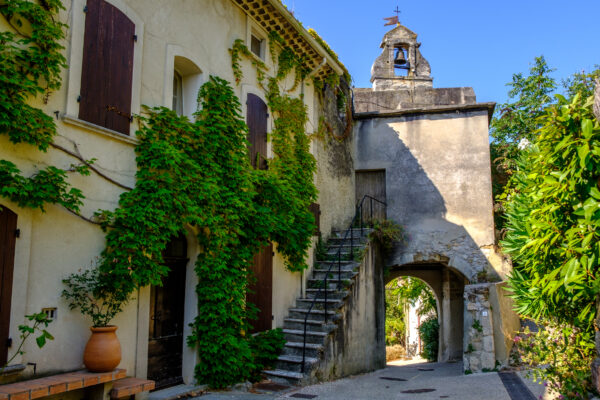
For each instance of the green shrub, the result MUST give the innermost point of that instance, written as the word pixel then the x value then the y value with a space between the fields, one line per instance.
pixel 559 356
pixel 395 330
pixel 553 237
pixel 386 233
pixel 429 333
pixel 265 347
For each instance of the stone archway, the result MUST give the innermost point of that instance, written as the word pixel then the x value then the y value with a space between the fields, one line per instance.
pixel 448 286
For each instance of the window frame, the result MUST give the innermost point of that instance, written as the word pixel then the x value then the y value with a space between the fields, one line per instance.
pixel 75 61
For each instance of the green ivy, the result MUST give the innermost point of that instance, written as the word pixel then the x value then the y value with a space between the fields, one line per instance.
pixel 30 64
pixel 31 61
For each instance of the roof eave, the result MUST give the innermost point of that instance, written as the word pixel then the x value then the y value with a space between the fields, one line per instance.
pixel 278 5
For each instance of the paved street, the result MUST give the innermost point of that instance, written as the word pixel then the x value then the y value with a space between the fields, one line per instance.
pixel 402 380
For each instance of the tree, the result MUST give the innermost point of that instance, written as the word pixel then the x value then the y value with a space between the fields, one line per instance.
pixel 553 237
pixel 516 121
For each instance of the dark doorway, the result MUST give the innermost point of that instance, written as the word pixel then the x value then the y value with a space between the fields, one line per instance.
pixel 371 183
pixel 8 235
pixel 256 119
pixel 167 302
pixel 260 292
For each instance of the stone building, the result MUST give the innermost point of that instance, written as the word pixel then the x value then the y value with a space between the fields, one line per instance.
pixel 165 53
pixel 425 152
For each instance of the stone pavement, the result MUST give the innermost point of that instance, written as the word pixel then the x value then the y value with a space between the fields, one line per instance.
pixel 401 380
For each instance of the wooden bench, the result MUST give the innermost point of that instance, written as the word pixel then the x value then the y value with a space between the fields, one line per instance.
pixel 130 386
pixel 56 384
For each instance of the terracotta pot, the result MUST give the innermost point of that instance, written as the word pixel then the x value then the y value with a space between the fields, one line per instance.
pixel 103 351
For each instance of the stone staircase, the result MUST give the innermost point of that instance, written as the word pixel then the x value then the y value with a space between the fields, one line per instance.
pixel 319 333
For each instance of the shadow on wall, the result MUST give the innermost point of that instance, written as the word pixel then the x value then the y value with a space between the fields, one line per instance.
pixel 440 252
pixel 414 201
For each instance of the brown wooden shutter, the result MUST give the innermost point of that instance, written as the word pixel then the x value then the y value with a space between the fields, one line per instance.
pixel 315 209
pixel 107 71
pixel 8 234
pixel 260 292
pixel 256 119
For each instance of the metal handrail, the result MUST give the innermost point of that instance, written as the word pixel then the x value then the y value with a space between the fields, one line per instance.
pixel 358 213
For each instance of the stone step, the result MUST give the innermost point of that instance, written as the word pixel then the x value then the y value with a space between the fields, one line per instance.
pixel 284 376
pixel 318 315
pixel 331 283
pixel 311 325
pixel 331 294
pixel 294 363
pixel 319 304
pixel 356 231
pixel 357 238
pixel 344 251
pixel 297 335
pixel 345 264
pixel 333 273
pixel 313 350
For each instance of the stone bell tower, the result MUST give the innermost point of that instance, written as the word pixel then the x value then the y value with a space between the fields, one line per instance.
pixel 400 65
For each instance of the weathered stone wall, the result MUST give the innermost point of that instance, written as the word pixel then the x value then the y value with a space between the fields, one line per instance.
pixel 489 305
pixel 438 186
pixel 479 350
pixel 358 345
pixel 506 322
pixel 369 100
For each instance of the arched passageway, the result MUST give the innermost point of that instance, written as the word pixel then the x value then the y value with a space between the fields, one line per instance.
pixel 448 286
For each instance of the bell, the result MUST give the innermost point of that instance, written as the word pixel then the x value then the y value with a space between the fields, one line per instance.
pixel 400 59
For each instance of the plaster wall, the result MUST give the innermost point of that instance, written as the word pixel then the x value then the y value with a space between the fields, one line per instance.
pixel 358 344
pixel 56 243
pixel 438 183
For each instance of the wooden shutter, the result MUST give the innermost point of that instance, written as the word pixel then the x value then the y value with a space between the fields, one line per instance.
pixel 8 234
pixel 107 73
pixel 260 292
pixel 256 119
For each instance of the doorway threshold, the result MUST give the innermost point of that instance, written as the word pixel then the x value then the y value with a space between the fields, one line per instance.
pixel 177 392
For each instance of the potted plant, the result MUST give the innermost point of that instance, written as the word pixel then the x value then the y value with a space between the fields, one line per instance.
pixel 86 291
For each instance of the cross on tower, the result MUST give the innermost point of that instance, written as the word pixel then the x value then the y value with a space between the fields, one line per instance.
pixel 397 11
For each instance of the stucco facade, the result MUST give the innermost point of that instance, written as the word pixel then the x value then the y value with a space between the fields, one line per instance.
pixel 192 37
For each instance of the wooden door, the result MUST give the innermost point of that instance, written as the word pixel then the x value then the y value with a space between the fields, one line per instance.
pixel 167 304
pixel 371 183
pixel 8 235
pixel 256 119
pixel 261 289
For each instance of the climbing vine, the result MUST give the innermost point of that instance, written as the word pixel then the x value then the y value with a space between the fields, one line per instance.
pixel 30 64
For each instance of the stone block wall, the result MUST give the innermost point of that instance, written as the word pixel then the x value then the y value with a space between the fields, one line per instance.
pixel 479 350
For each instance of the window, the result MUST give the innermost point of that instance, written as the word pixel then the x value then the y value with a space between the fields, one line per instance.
pixel 256 45
pixel 187 78
pixel 256 118
pixel 177 93
pixel 107 67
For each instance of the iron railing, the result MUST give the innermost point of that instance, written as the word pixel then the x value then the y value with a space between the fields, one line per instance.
pixel 358 221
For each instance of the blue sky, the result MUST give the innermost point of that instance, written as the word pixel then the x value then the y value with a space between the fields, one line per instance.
pixel 467 42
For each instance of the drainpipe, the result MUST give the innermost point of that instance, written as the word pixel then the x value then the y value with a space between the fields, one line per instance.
pixel 317 68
